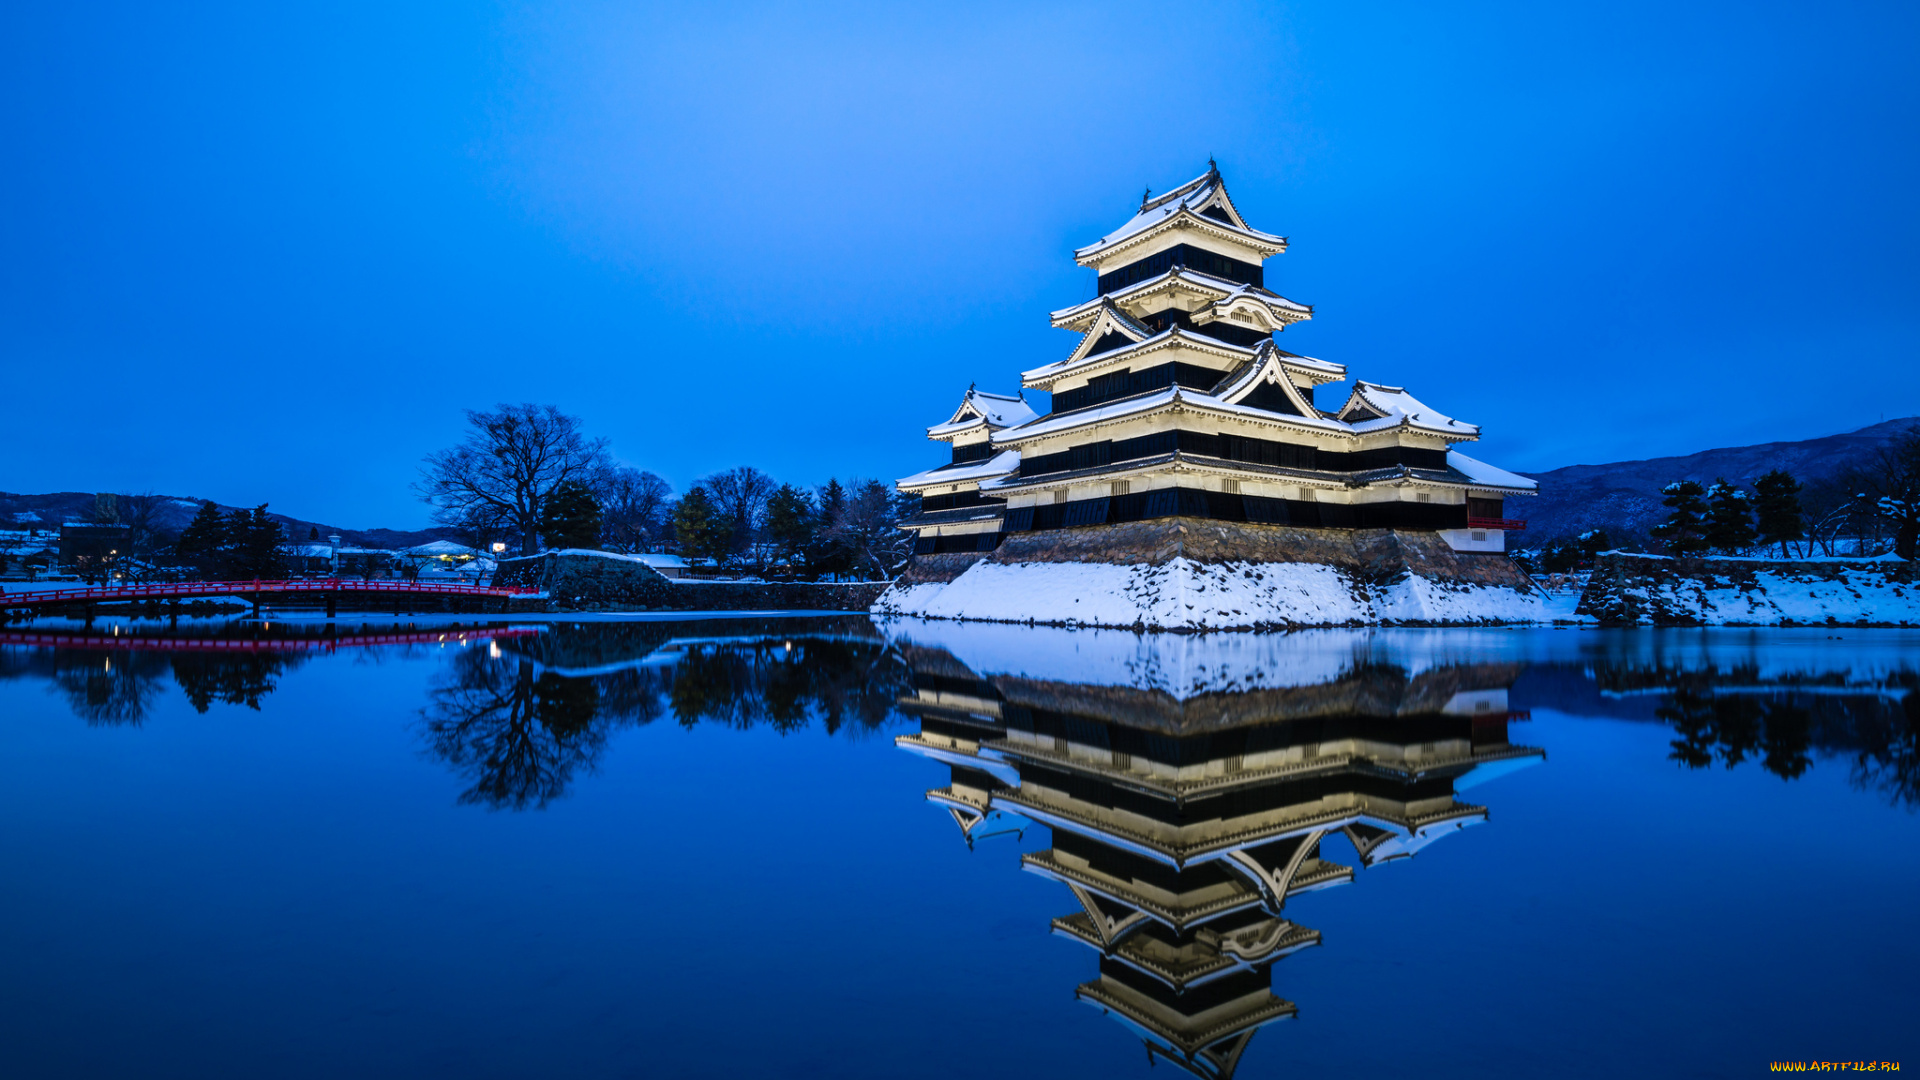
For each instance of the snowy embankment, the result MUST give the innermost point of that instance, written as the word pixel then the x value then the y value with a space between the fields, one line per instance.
pixel 1184 594
pixel 1653 589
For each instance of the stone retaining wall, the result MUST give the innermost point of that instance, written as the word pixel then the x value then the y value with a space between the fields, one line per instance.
pixel 576 581
pixel 1631 589
pixel 1376 556
pixel 1196 574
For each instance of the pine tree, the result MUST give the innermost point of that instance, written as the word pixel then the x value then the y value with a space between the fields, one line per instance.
pixel 1777 504
pixel 830 552
pixel 1729 526
pixel 255 545
pixel 202 545
pixel 1685 528
pixel 570 518
pixel 790 521
pixel 313 532
pixel 698 526
pixel 1592 543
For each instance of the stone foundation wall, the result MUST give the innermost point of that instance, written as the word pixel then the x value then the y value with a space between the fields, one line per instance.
pixel 1194 574
pixel 576 582
pixel 940 568
pixel 1375 556
pixel 1629 589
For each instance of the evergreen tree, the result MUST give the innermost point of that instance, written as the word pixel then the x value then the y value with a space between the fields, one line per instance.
pixel 1592 543
pixel 699 527
pixel 1560 557
pixel 1685 528
pixel 570 517
pixel 313 532
pixel 790 521
pixel 1729 525
pixel 254 545
pixel 830 553
pixel 1777 504
pixel 202 545
pixel 1894 477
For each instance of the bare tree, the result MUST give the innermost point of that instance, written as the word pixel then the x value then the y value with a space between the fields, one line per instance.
pixel 510 461
pixel 146 538
pixel 740 495
pixel 633 509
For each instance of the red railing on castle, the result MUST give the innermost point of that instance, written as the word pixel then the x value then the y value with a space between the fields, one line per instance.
pixel 1509 524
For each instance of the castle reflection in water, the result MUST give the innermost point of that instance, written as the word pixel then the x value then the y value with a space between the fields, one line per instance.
pixel 1188 791
pixel 1183 786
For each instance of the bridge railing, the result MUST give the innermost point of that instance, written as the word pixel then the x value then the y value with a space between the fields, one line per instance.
pixel 232 588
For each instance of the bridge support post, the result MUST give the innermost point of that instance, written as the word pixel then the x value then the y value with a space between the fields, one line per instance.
pixel 333 603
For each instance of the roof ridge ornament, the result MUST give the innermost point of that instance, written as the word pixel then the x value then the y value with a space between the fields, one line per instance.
pixel 1145 198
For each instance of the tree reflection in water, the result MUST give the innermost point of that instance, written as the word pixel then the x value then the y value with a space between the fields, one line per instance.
pixel 520 730
pixel 109 688
pixel 231 680
pixel 1784 721
pixel 518 736
pixel 787 684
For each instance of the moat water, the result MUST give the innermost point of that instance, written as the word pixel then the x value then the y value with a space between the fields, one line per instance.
pixel 823 847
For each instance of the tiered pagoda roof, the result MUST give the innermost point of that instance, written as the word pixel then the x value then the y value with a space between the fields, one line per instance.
pixel 1178 397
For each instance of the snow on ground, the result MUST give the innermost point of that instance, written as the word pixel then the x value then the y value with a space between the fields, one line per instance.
pixel 1778 595
pixel 1185 595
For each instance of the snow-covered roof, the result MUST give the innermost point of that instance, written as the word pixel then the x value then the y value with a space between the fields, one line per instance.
pixel 1285 310
pixel 1061 369
pixel 1000 464
pixel 1268 365
pixel 441 547
pixel 658 559
pixel 1395 405
pixel 1187 202
pixel 1479 472
pixel 996 411
pixel 1373 407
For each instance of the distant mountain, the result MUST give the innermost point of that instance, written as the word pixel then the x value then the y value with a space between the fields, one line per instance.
pixel 1624 497
pixel 49 510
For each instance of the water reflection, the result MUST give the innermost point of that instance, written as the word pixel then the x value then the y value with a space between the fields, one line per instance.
pixel 520 722
pixel 114 676
pixel 1188 798
pixel 1733 711
pixel 1178 794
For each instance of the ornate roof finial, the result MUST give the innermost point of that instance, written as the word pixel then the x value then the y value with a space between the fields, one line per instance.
pixel 1212 169
pixel 1145 197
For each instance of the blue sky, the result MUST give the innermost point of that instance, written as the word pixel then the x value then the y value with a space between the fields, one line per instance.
pixel 270 252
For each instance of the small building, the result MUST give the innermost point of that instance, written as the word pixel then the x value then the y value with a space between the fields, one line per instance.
pixel 672 566
pixel 84 546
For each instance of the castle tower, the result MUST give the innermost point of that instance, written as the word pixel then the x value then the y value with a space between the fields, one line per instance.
pixel 1177 401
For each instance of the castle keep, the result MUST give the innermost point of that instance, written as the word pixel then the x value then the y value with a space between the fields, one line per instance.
pixel 1177 403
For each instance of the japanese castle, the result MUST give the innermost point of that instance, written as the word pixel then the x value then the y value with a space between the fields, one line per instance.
pixel 1177 402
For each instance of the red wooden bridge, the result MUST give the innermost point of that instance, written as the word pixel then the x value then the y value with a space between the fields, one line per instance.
pixel 327 589
pixel 124 642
